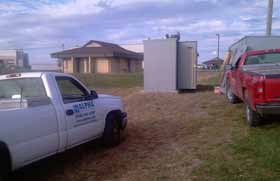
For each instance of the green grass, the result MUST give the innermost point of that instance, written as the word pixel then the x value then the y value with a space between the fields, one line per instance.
pixel 262 147
pixel 213 81
pixel 252 156
pixel 111 80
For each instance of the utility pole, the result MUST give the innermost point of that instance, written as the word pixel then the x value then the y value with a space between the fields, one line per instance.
pixel 218 50
pixel 269 18
pixel 60 62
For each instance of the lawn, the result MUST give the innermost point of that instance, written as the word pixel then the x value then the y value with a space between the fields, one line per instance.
pixel 188 136
pixel 112 81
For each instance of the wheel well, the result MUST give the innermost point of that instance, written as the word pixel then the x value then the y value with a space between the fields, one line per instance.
pixel 5 158
pixel 116 113
pixel 243 93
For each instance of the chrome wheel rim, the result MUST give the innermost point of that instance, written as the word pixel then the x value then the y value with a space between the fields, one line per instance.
pixel 229 94
pixel 248 115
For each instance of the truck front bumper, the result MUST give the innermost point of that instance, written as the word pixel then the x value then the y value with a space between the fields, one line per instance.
pixel 269 109
pixel 123 120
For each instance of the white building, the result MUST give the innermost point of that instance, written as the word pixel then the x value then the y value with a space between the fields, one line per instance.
pixel 139 48
pixel 11 58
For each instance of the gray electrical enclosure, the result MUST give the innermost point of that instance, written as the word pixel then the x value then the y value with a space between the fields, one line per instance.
pixel 186 65
pixel 169 65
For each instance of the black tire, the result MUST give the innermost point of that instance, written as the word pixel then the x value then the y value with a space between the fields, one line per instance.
pixel 112 131
pixel 253 119
pixel 231 97
pixel 1 176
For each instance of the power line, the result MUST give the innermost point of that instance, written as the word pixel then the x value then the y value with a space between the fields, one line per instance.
pixel 32 48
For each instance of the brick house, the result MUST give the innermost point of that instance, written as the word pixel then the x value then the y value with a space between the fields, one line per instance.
pixel 99 57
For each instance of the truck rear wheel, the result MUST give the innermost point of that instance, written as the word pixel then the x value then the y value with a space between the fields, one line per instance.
pixel 230 95
pixel 112 131
pixel 252 117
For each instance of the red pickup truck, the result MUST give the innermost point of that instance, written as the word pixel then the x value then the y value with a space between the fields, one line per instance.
pixel 255 80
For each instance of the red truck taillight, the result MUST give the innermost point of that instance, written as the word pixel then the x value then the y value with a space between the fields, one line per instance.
pixel 259 86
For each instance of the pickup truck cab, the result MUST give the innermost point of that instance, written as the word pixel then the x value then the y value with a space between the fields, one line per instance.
pixel 42 114
pixel 255 80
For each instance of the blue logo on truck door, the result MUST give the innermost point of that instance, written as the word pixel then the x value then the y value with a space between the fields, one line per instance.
pixel 84 113
pixel 83 106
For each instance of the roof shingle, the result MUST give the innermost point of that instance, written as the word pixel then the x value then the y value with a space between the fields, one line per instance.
pixel 103 50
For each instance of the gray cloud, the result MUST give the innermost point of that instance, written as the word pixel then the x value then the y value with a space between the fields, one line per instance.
pixel 33 25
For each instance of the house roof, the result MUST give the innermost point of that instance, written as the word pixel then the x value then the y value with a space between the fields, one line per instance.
pixel 215 61
pixel 98 49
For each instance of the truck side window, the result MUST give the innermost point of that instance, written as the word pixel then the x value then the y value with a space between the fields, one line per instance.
pixel 71 90
pixel 237 63
pixel 22 88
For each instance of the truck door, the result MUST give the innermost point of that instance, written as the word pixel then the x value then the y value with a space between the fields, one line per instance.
pixel 239 76
pixel 79 110
pixel 235 82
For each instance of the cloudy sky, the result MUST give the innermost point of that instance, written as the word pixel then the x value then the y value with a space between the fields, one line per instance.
pixel 42 26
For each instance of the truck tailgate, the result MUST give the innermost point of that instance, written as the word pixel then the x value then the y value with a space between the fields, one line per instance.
pixel 272 88
pixel 271 77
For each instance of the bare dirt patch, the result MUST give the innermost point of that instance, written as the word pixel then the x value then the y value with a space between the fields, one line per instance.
pixel 168 137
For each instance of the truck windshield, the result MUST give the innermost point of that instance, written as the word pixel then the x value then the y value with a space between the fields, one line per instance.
pixel 269 58
pixel 22 88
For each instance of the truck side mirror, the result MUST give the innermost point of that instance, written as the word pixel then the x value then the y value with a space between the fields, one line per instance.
pixel 93 94
pixel 228 67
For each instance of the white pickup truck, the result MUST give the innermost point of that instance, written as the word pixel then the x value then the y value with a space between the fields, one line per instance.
pixel 42 114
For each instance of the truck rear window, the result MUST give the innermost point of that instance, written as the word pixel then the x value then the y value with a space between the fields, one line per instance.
pixel 269 58
pixel 22 88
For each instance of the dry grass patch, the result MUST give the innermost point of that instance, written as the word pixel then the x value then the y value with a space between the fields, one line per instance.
pixel 169 137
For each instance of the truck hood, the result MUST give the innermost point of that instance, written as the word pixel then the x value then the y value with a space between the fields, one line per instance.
pixel 267 70
pixel 107 96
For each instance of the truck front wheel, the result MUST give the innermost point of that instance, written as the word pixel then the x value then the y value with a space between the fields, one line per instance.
pixel 112 131
pixel 252 117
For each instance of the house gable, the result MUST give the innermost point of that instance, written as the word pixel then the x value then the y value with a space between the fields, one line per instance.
pixel 93 44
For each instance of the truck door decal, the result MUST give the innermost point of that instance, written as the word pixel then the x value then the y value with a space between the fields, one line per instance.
pixel 83 115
